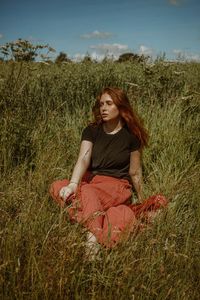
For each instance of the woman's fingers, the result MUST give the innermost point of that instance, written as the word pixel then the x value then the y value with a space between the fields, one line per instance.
pixel 65 192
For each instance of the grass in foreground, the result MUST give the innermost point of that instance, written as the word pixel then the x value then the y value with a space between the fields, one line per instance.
pixel 43 254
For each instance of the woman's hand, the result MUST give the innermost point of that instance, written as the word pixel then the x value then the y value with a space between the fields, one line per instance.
pixel 68 190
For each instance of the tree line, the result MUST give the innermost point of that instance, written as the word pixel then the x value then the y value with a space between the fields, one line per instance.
pixel 24 50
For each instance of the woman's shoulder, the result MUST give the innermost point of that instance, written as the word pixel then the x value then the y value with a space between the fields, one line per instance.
pixel 134 140
pixel 90 132
pixel 92 127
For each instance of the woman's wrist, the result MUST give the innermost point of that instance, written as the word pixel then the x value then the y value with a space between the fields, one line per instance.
pixel 73 186
pixel 73 182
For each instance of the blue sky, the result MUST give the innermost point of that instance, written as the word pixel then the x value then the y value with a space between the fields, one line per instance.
pixel 102 27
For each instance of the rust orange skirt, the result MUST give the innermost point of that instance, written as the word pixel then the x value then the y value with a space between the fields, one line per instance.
pixel 102 205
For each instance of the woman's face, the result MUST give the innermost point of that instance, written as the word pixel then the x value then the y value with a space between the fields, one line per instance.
pixel 108 110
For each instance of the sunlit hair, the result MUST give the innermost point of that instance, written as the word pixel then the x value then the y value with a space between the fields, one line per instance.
pixel 130 117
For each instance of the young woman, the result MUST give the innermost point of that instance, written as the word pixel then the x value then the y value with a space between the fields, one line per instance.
pixel 107 169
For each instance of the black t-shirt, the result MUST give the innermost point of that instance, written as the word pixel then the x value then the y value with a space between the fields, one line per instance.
pixel 110 152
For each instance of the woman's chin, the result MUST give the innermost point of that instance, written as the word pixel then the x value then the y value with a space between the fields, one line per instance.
pixel 105 119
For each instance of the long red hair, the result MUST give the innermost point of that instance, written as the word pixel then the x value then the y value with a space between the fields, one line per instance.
pixel 129 116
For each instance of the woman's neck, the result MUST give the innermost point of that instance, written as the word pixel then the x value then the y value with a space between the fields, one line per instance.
pixel 112 126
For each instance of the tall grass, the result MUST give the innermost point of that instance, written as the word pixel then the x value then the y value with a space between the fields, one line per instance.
pixel 43 111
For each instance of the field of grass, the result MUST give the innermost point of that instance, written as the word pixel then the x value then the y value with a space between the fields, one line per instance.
pixel 43 109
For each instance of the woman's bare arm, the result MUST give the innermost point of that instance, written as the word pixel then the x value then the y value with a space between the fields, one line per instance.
pixel 83 161
pixel 80 168
pixel 135 172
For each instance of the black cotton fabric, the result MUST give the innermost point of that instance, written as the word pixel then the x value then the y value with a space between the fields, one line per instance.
pixel 111 152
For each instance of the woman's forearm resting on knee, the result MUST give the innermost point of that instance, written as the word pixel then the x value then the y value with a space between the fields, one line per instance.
pixel 135 173
pixel 80 168
pixel 137 183
pixel 82 163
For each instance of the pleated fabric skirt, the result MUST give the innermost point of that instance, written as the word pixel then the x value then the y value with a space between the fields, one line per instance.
pixel 102 205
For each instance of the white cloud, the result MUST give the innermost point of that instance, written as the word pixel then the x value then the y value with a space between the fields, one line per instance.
pixel 1 35
pixel 113 50
pixel 177 51
pixel 185 55
pixel 98 57
pixel 143 50
pixel 100 51
pixel 78 57
pixel 195 57
pixel 175 2
pixel 96 35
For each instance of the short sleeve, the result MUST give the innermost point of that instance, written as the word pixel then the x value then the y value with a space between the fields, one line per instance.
pixel 135 143
pixel 89 134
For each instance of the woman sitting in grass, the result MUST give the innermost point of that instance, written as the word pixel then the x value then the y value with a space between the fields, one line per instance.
pixel 107 169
